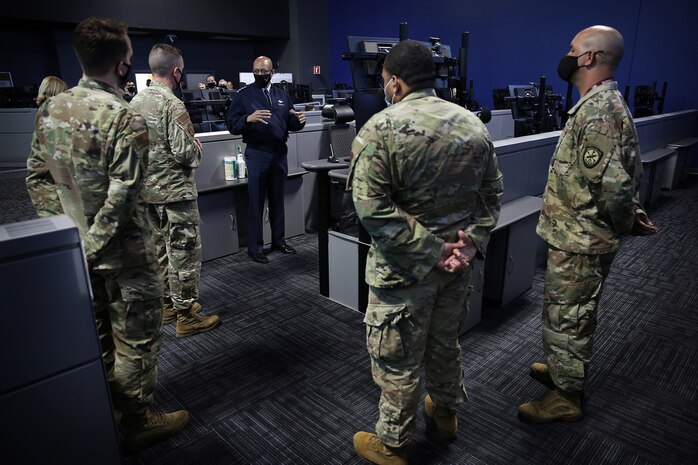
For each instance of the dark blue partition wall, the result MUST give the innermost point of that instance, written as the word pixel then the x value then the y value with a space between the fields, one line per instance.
pixel 515 42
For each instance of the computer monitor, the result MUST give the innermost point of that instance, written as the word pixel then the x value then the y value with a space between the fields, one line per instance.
pixel 5 79
pixel 18 97
pixel 189 95
pixel 499 98
pixel 367 102
pixel 342 93
pixel 522 91
pixel 367 73
pixel 142 79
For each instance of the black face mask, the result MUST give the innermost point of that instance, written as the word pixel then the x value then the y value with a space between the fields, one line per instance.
pixel 262 80
pixel 211 85
pixel 567 66
pixel 126 76
pixel 131 90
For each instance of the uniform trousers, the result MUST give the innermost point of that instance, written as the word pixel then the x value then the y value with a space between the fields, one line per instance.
pixel 178 243
pixel 408 328
pixel 573 285
pixel 127 304
pixel 267 171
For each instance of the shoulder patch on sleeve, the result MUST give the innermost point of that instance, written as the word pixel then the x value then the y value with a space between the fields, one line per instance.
pixel 592 156
pixel 183 118
pixel 141 140
pixel 184 122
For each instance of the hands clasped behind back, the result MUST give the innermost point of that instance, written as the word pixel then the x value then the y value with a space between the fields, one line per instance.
pixel 456 256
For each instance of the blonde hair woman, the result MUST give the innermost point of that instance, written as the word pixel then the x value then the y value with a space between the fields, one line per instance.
pixel 50 86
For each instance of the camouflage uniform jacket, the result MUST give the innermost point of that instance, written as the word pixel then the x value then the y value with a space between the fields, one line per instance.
pixel 88 157
pixel 592 192
pixel 421 170
pixel 173 154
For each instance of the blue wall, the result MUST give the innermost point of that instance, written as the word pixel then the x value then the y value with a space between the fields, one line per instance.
pixel 515 42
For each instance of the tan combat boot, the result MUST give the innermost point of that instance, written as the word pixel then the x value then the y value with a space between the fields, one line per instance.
pixel 195 323
pixel 371 448
pixel 445 421
pixel 540 372
pixel 169 314
pixel 556 406
pixel 145 430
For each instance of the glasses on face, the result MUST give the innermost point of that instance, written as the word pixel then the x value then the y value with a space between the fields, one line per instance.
pixel 261 72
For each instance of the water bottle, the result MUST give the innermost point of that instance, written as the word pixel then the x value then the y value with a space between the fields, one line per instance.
pixel 240 162
pixel 229 168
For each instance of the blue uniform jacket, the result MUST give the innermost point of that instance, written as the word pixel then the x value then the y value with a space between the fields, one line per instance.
pixel 250 99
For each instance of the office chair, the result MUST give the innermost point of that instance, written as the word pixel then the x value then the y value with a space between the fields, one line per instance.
pixel 341 133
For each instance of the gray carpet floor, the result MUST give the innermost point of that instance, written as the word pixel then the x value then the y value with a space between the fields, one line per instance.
pixel 286 379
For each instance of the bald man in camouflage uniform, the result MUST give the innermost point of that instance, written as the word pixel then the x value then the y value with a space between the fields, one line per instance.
pixel 590 202
pixel 170 190
pixel 426 187
pixel 88 156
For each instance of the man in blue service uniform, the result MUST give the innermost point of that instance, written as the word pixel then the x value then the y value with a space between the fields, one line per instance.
pixel 263 114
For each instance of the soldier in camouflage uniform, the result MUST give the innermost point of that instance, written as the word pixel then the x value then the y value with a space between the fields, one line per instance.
pixel 88 156
pixel 426 187
pixel 590 202
pixel 170 190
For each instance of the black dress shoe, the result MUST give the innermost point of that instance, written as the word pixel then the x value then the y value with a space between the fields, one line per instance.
pixel 283 248
pixel 258 257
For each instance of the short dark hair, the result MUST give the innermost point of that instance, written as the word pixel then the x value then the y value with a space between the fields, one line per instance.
pixel 99 43
pixel 162 58
pixel 412 62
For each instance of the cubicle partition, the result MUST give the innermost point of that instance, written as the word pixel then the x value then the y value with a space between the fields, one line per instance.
pixel 16 129
pixel 54 394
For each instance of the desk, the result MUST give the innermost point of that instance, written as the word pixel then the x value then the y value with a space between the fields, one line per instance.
pixel 355 251
pixel 677 167
pixel 511 253
pixel 223 210
pixel 653 164
pixel 322 168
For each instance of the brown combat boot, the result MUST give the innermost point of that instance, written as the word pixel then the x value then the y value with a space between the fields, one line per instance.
pixel 556 406
pixel 169 314
pixel 145 430
pixel 445 421
pixel 195 323
pixel 540 372
pixel 371 448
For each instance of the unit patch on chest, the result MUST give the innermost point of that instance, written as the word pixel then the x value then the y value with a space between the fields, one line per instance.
pixel 592 157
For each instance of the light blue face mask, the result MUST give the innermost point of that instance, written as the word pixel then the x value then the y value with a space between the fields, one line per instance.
pixel 385 96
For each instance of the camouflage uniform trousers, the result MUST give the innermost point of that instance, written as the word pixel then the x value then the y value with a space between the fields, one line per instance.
pixel 408 327
pixel 128 311
pixel 573 285
pixel 178 243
